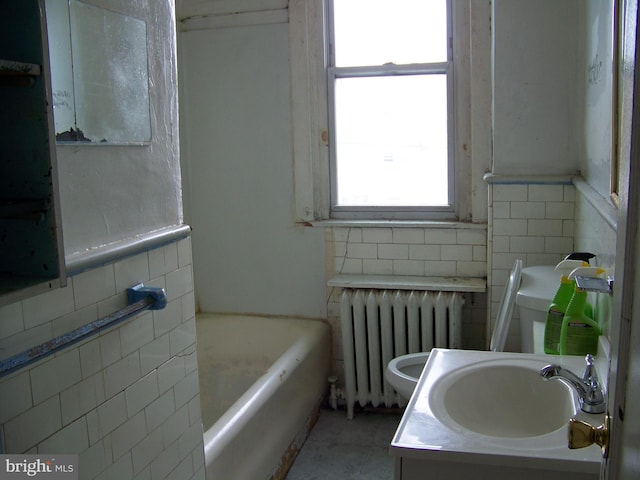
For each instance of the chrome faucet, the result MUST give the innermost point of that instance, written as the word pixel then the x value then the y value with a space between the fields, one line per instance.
pixel 588 388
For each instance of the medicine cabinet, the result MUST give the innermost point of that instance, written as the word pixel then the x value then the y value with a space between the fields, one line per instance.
pixel 31 251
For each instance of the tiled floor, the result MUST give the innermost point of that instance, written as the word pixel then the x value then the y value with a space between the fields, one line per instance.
pixel 343 449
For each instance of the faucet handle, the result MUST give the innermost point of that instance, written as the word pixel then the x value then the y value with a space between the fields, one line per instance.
pixel 590 374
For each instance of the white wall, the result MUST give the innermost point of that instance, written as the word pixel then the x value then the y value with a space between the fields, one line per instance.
pixel 537 92
pixel 114 193
pixel 249 256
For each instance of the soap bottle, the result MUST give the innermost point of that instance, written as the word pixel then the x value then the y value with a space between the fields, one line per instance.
pixel 560 302
pixel 579 333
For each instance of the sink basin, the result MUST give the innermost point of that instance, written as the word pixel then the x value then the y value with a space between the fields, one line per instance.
pixel 502 398
pixel 478 414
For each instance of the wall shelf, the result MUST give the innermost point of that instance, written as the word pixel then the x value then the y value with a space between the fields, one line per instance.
pixel 31 252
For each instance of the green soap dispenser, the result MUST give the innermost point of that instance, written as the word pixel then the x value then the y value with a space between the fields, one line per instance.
pixel 559 304
pixel 579 333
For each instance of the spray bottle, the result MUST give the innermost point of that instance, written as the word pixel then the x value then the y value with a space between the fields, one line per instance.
pixel 561 299
pixel 579 333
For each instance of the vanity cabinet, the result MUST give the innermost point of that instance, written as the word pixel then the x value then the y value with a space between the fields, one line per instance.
pixel 31 249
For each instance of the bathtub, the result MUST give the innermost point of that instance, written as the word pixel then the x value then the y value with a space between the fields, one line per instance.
pixel 261 383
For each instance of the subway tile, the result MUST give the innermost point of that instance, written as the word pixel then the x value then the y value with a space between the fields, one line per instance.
pixel 479 253
pixel 568 228
pixel 528 209
pixel 408 267
pixel 459 253
pixel 437 236
pixel 33 426
pixel 141 393
pixel 156 263
pixel 440 268
pixel 471 269
pixel 110 349
pixel 136 333
pixel 558 245
pixel 425 252
pixel 509 193
pixel 165 463
pixel 112 413
pixel 377 267
pixel 561 210
pixel 147 450
pixel 131 271
pixel 340 249
pixel 354 235
pixel 377 235
pixel 528 244
pixel 569 193
pixel 408 235
pixel 183 470
pixel 179 282
pixel 15 395
pixel 188 302
pixel 25 340
pixel 71 439
pixel 168 318
pixel 182 337
pixel 120 469
pixel 127 435
pixel 93 460
pixel 393 252
pixel 185 254
pixel 154 354
pixel 93 286
pixel 186 389
pixel 190 361
pixel 74 320
pixel 501 209
pixel 47 306
pixel 121 374
pixel 159 410
pixel 340 234
pixel 175 425
pixel 11 319
pixel 190 440
pixel 170 257
pixel 170 373
pixel 81 398
pixel 46 379
pixel 505 260
pixel 545 228
pixel 362 250
pixel 90 357
pixel 471 237
pixel 546 193
pixel 195 413
pixel 509 227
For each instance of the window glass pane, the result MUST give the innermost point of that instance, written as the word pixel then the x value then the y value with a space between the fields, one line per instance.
pixel 375 32
pixel 391 141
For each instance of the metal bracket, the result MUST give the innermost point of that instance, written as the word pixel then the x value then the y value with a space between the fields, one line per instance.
pixel 139 292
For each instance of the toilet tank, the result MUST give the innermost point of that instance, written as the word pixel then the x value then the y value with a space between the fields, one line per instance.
pixel 537 288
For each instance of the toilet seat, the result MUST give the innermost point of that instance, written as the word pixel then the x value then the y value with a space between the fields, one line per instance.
pixel 505 312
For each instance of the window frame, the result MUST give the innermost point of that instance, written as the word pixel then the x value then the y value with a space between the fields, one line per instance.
pixel 334 73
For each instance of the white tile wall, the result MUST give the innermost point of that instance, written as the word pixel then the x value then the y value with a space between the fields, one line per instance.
pixel 126 400
pixel 532 222
pixel 410 251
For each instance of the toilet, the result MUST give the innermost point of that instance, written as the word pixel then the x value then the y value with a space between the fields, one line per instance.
pixel 531 289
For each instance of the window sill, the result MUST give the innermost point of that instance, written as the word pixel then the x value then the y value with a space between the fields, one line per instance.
pixel 397 224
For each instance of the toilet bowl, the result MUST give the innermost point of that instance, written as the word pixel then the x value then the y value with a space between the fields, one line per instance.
pixel 531 289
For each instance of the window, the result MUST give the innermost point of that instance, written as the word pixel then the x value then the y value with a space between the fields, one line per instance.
pixel 390 109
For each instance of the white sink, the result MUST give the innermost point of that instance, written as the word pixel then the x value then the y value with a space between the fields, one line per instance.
pixel 485 412
pixel 504 398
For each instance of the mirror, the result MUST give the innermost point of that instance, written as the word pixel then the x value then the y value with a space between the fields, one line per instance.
pixel 99 75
